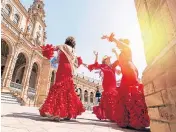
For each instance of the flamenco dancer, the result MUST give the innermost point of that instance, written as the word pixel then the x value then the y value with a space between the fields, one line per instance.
pixel 132 109
pixel 107 106
pixel 62 101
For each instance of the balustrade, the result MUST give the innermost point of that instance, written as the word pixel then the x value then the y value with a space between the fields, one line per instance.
pixel 16 86
pixel 31 93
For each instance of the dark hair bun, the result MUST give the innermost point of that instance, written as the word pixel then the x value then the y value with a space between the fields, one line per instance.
pixel 70 41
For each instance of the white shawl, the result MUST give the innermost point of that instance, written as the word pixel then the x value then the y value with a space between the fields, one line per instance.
pixel 71 56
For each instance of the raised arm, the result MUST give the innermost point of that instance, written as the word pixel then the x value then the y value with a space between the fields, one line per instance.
pixel 80 62
pixel 94 66
pixel 115 64
pixel 116 54
pixel 118 43
pixel 96 56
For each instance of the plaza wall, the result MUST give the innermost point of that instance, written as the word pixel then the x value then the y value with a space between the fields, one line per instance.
pixel 157 21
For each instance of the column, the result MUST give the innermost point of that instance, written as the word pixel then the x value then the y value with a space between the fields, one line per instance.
pixel 37 87
pixel 88 101
pixel 82 96
pixel 8 71
pixel 25 81
pixel 5 73
pixel 42 88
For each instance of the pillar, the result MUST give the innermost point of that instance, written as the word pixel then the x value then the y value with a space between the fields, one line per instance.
pixel 43 85
pixel 9 68
pixel 82 96
pixel 25 81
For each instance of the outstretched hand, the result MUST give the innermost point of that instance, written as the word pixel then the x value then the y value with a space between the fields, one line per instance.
pixel 85 65
pixel 104 37
pixel 109 38
pixel 95 53
pixel 114 50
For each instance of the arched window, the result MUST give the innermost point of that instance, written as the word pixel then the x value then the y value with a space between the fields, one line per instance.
pixel 91 97
pixel 29 28
pixel 40 27
pixel 16 19
pixel 8 10
pixel 85 96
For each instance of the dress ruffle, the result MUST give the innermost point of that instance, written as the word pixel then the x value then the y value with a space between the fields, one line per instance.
pixel 48 51
pixel 62 101
pixel 137 107
pixel 132 109
pixel 107 106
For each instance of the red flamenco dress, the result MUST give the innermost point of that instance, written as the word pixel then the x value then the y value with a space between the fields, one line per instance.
pixel 132 109
pixel 62 101
pixel 107 106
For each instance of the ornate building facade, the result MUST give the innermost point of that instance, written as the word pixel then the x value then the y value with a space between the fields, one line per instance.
pixel 157 19
pixel 24 71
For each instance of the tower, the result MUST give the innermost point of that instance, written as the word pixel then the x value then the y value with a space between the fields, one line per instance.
pixel 36 26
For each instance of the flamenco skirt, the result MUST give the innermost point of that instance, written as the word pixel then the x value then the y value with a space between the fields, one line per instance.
pixel 107 106
pixel 132 109
pixel 62 101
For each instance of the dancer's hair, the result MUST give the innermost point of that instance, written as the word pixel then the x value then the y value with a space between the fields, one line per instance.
pixel 126 41
pixel 70 41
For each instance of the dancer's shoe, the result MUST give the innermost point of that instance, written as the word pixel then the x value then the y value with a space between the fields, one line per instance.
pixel 67 119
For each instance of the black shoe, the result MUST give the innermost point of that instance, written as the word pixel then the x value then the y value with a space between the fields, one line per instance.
pixel 67 119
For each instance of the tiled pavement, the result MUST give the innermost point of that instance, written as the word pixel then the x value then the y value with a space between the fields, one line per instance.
pixel 15 118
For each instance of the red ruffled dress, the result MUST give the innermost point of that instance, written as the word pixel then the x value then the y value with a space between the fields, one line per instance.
pixel 107 106
pixel 132 109
pixel 62 100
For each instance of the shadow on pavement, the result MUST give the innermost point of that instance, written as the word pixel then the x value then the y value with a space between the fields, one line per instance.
pixel 97 122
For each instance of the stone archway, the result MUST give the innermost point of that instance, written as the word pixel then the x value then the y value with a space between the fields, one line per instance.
pixel 33 81
pixel 85 96
pixel 33 76
pixel 19 68
pixel 91 97
pixel 18 72
pixel 7 54
pixel 79 92
pixel 4 55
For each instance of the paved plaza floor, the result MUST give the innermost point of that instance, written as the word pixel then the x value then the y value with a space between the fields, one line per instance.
pixel 16 118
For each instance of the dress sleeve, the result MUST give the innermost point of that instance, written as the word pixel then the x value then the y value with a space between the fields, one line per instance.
pixel 79 61
pixel 116 63
pixel 48 51
pixel 94 66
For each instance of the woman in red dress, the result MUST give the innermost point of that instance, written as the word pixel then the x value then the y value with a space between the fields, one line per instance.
pixel 107 106
pixel 132 109
pixel 62 101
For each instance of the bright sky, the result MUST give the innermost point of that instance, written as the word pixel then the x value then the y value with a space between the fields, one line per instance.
pixel 87 21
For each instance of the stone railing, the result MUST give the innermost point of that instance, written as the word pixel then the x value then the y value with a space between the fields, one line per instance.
pixel 31 93
pixel 16 86
pixel 16 89
pixel 88 107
